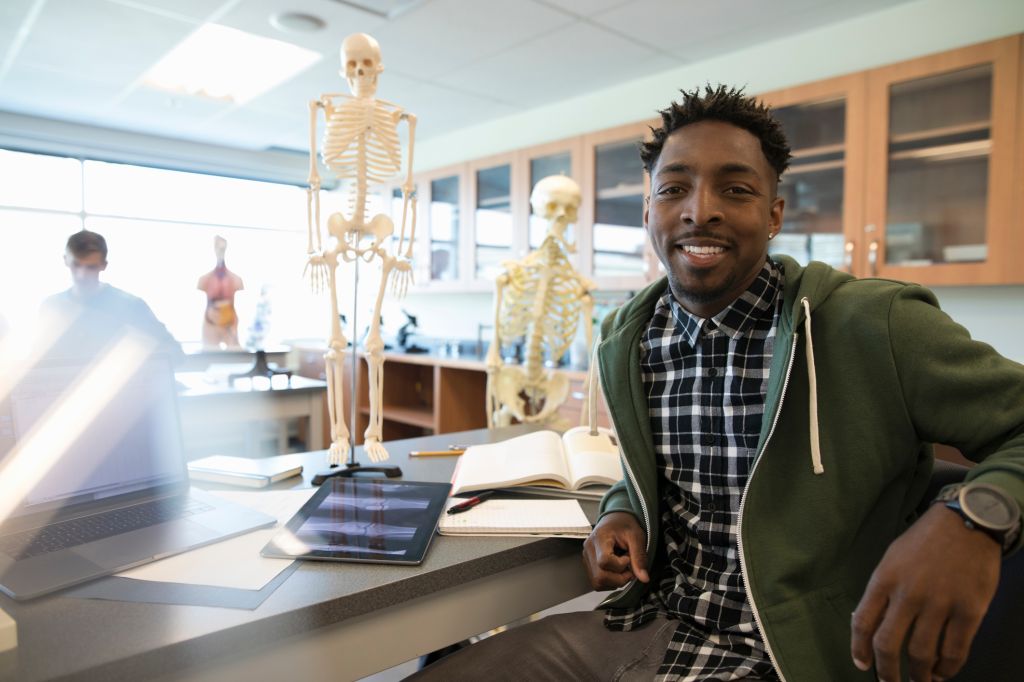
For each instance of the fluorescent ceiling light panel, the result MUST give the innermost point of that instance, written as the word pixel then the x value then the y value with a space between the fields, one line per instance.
pixel 227 64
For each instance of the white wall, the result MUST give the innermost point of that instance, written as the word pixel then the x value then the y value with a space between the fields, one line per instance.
pixel 994 315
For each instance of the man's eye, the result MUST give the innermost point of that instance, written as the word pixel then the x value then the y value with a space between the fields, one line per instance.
pixel 738 190
pixel 670 190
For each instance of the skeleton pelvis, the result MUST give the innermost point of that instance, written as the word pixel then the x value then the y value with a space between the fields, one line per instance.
pixel 526 398
pixel 351 232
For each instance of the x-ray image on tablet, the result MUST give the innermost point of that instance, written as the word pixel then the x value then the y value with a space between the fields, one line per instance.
pixel 361 519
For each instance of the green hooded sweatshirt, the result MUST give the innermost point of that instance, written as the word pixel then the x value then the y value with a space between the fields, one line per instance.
pixel 866 374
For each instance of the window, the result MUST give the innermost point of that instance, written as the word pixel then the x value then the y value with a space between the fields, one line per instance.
pixel 160 226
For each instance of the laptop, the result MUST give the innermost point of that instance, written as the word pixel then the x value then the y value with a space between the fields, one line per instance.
pixel 103 494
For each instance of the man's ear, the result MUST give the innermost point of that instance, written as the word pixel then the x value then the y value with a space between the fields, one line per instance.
pixel 104 266
pixel 775 212
pixel 647 208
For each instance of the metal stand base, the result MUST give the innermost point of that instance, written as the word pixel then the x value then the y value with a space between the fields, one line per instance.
pixel 262 369
pixel 351 469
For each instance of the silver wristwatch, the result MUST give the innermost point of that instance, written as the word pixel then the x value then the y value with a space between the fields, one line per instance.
pixel 986 508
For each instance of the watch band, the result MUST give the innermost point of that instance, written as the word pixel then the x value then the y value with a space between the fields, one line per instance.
pixel 1007 538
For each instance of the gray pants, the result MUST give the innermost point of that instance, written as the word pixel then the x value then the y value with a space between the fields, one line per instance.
pixel 566 646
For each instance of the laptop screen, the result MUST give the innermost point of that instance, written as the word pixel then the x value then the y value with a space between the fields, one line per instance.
pixel 124 441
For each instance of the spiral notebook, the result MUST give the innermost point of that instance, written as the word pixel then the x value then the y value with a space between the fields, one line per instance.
pixel 532 517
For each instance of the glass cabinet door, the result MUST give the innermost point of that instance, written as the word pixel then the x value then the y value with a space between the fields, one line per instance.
pixel 940 136
pixel 824 123
pixel 812 186
pixel 492 220
pixel 618 238
pixel 943 165
pixel 444 228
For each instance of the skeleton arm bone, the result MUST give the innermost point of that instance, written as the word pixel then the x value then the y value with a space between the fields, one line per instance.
pixel 494 355
pixel 313 192
pixel 408 192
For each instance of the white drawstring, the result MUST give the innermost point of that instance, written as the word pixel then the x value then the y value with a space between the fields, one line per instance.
pixel 593 386
pixel 813 385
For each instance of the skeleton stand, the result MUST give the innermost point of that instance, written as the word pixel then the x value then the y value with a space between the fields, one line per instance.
pixel 352 466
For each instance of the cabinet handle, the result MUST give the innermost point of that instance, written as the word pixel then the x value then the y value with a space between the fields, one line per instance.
pixel 848 255
pixel 873 257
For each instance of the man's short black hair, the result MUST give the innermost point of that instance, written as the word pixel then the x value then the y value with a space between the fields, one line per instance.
pixel 728 105
pixel 84 242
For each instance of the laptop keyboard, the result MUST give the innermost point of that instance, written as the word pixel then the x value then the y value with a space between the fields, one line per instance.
pixel 98 526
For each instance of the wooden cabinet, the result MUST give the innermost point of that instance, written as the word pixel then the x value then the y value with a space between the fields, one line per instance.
pixel 907 171
pixel 825 125
pixel 940 154
pixel 422 395
pixel 426 395
pixel 536 163
pixel 910 171
pixel 616 252
pixel 494 190
pixel 441 219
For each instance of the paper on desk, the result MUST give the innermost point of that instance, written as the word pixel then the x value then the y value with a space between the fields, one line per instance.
pixel 235 562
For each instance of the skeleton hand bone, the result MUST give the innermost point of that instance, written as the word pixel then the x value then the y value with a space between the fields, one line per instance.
pixel 319 272
pixel 401 277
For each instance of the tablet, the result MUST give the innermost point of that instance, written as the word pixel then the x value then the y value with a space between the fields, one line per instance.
pixel 363 519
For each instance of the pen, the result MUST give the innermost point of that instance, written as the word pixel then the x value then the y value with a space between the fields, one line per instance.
pixel 435 453
pixel 470 503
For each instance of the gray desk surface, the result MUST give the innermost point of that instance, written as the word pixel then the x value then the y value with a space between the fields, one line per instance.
pixel 71 638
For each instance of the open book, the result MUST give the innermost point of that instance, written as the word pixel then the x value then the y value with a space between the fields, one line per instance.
pixel 574 461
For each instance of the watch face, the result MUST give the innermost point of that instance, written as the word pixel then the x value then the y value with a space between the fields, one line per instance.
pixel 988 506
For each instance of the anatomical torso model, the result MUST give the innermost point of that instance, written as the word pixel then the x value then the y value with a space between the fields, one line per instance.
pixel 360 147
pixel 541 299
pixel 220 322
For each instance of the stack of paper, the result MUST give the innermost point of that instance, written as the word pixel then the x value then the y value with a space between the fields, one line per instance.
pixel 518 517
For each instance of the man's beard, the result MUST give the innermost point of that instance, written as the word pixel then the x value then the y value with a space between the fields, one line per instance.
pixel 703 295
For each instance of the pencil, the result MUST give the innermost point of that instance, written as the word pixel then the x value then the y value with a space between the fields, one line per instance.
pixel 435 453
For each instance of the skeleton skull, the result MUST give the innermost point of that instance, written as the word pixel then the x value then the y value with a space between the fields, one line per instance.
pixel 556 198
pixel 360 55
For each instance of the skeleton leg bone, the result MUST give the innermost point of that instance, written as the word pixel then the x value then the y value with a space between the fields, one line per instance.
pixel 374 434
pixel 337 453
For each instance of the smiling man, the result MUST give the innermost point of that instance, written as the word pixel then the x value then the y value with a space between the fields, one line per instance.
pixel 775 424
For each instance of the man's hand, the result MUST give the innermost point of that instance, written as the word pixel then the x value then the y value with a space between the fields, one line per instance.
pixel 616 552
pixel 931 590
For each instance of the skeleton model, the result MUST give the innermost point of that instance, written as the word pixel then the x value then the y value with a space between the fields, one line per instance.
pixel 360 147
pixel 540 298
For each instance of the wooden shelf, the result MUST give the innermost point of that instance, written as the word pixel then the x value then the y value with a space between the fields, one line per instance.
pixel 423 417
pixel 945 131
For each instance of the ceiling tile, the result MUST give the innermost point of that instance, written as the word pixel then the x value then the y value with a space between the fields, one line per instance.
pixel 95 36
pixel 341 20
pixel 672 25
pixel 192 10
pixel 415 43
pixel 585 8
pixel 42 92
pixel 561 64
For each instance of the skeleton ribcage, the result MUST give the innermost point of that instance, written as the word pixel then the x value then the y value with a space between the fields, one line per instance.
pixel 561 304
pixel 342 146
